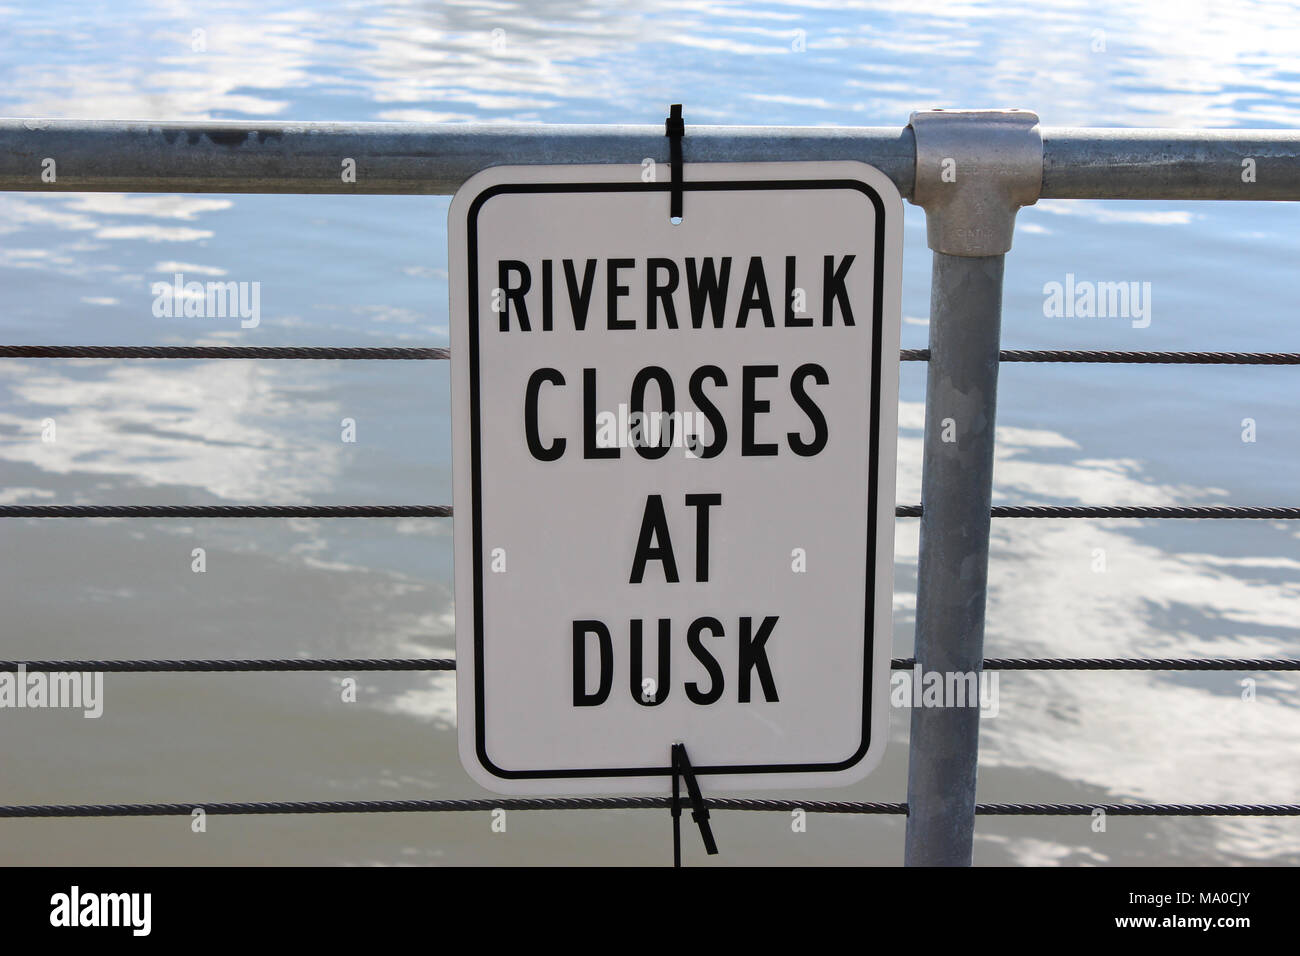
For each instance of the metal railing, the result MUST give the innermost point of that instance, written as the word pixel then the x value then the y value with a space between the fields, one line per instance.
pixel 1007 160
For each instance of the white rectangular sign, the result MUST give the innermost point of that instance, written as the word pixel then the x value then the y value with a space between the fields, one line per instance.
pixel 674 452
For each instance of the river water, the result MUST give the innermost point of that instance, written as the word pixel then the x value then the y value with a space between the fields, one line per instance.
pixel 372 271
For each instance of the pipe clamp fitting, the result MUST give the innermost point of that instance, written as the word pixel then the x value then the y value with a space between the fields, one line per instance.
pixel 974 170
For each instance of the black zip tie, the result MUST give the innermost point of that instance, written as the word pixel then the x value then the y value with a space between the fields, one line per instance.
pixel 675 129
pixel 675 808
pixel 699 811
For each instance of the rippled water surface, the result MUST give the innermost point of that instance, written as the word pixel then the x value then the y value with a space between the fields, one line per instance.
pixel 372 271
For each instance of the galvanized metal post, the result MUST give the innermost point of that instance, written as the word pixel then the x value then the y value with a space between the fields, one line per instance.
pixel 974 169
pixel 957 481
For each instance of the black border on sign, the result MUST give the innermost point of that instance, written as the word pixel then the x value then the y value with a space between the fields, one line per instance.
pixel 476 473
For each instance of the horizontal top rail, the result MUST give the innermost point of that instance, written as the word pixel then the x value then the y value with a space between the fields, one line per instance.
pixel 414 158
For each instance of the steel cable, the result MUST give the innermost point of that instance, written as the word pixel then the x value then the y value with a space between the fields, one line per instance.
pixel 322 665
pixel 1104 356
pixel 630 803
pixel 445 511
